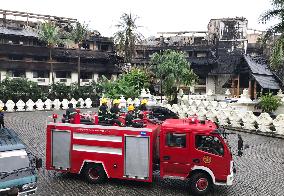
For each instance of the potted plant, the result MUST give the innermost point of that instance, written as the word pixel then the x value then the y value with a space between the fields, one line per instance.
pixel 269 103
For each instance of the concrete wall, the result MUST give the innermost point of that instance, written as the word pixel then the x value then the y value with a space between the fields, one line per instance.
pixel 2 75
pixel 96 77
pixel 220 80
pixel 210 84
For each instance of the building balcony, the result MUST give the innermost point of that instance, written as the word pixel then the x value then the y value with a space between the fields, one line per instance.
pixel 41 81
pixel 42 51
pixel 84 82
pixel 66 81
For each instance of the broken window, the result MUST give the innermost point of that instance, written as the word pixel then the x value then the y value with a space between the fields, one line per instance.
pixel 86 75
pixel 40 74
pixel 63 74
pixel 16 73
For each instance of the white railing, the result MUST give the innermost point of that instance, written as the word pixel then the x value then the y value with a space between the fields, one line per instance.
pixel 226 115
pixel 48 104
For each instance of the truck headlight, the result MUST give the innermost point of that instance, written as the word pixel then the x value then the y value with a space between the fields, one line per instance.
pixel 29 186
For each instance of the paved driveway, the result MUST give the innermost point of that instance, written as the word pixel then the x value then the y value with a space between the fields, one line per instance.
pixel 259 172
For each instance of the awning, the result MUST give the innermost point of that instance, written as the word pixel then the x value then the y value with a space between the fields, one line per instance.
pixel 267 82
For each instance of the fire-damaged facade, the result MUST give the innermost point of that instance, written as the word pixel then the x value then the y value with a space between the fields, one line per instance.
pixel 22 54
pixel 223 57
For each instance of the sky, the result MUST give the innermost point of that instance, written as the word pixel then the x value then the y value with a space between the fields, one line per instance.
pixel 153 15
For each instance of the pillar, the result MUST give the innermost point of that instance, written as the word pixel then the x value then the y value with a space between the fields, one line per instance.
pixel 250 90
pixel 74 77
pixel 254 89
pixel 29 75
pixel 95 77
pixel 238 87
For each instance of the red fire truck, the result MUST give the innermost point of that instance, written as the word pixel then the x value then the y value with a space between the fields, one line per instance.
pixel 179 148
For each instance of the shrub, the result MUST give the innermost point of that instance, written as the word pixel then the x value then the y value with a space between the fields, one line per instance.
pixel 269 103
pixel 128 84
pixel 20 88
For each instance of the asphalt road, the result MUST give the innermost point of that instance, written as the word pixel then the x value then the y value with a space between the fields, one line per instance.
pixel 259 172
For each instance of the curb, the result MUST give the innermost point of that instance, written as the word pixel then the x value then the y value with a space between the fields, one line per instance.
pixel 269 134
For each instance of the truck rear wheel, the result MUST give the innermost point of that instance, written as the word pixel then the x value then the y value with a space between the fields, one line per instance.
pixel 200 184
pixel 94 173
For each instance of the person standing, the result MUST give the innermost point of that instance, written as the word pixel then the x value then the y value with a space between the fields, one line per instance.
pixel 103 111
pixel 2 118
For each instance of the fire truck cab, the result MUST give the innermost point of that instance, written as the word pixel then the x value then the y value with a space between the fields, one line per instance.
pixel 179 148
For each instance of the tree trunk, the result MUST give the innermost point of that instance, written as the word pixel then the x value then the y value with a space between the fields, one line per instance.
pixel 51 66
pixel 79 64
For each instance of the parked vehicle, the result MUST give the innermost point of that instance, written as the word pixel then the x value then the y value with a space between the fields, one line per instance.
pixel 18 175
pixel 178 148
pixel 162 113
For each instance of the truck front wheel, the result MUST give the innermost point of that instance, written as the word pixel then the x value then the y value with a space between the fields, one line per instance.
pixel 94 173
pixel 200 184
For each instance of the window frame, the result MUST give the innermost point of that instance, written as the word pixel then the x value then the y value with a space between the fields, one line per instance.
pixel 211 153
pixel 176 146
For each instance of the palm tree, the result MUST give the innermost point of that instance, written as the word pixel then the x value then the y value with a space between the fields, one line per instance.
pixel 50 34
pixel 79 34
pixel 127 36
pixel 277 55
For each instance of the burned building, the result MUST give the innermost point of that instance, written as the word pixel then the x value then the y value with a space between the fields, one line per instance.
pixel 223 57
pixel 22 54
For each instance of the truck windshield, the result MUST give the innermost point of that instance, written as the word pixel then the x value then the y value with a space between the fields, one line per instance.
pixel 13 160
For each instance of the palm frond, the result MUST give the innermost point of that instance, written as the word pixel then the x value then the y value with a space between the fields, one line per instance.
pixel 268 15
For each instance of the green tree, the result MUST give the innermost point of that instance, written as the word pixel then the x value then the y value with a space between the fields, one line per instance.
pixel 127 37
pixel 79 34
pixel 173 70
pixel 50 34
pixel 277 55
pixel 128 84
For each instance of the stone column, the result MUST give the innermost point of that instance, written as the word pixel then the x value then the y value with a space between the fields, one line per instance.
pixel 95 77
pixel 250 90
pixel 74 77
pixel 3 75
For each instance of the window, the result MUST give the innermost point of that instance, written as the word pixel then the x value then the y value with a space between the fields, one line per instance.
pixel 63 74
pixel 40 74
pixel 176 140
pixel 210 144
pixel 104 47
pixel 16 73
pixel 86 75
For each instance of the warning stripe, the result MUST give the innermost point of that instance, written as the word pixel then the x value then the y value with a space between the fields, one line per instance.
pixel 103 138
pixel 97 149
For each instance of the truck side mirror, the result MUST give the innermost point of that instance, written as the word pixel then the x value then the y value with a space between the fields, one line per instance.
pixel 38 163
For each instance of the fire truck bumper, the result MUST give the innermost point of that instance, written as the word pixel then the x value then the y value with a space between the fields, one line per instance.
pixel 230 179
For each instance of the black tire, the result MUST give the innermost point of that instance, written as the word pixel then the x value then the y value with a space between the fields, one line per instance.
pixel 200 184
pixel 94 173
